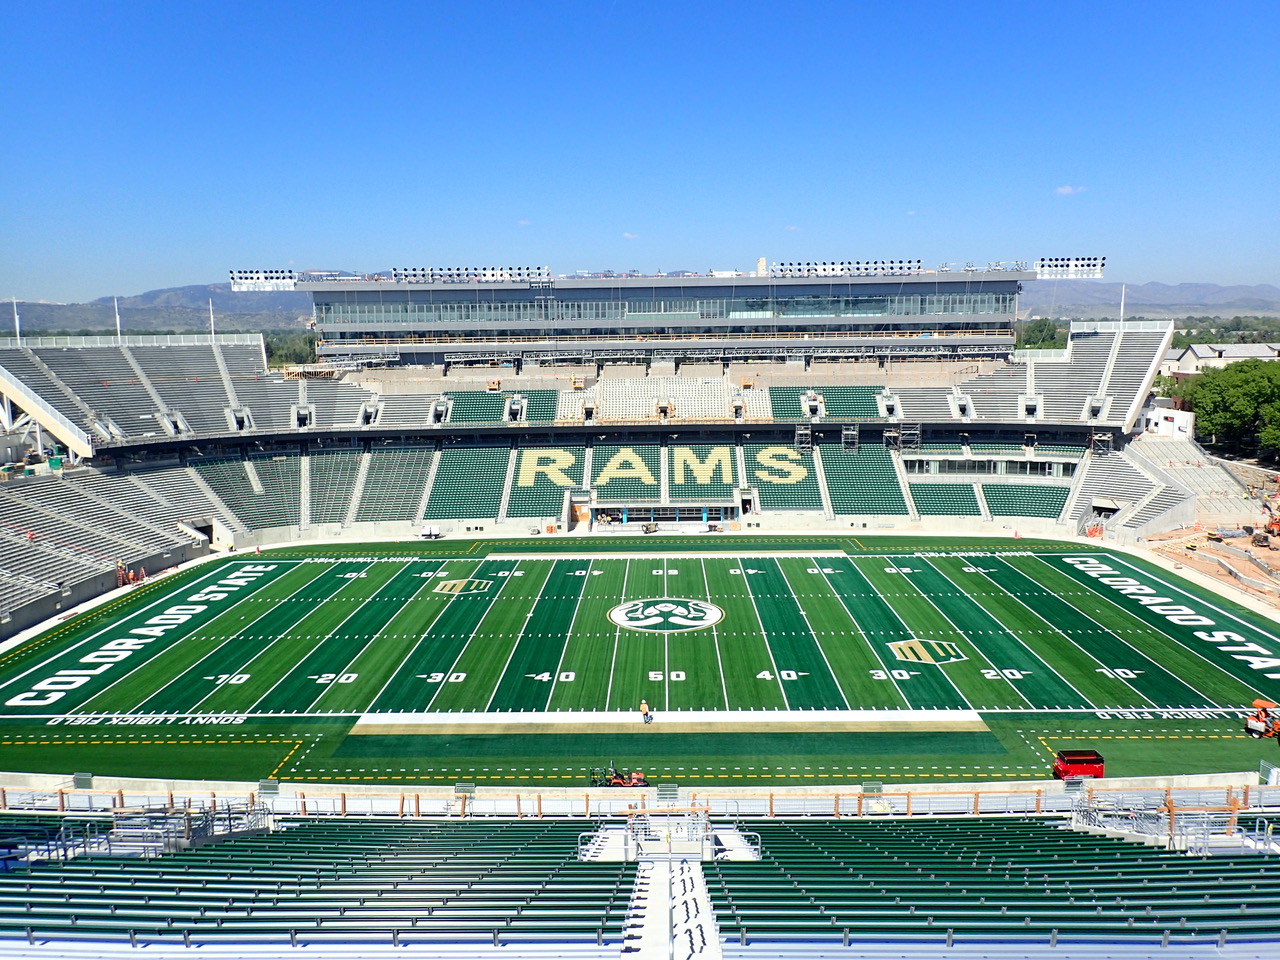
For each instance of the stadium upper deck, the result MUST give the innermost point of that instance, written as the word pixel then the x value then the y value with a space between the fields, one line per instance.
pixel 811 310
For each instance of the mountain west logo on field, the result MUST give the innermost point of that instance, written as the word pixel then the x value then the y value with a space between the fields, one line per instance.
pixel 927 651
pixel 666 615
pixel 463 586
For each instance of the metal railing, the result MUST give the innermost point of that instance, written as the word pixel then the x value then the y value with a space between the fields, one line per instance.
pixel 137 340
pixel 789 336
pixel 595 804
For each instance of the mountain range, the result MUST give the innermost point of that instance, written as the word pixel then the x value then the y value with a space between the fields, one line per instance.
pixel 173 308
pixel 1093 298
pixel 187 308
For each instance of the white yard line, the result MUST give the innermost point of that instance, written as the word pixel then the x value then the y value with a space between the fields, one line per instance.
pixel 715 637
pixel 814 634
pixel 1132 615
pixel 764 634
pixel 503 672
pixel 284 676
pixel 480 623
pixel 1038 659
pixel 1066 636
pixel 573 622
pixel 219 573
pixel 427 583
pixel 967 638
pixel 666 640
pixel 178 644
pixel 897 616
pixel 617 641
pixel 425 630
pixel 888 670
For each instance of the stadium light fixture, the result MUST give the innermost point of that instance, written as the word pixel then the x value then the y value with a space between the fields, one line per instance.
pixel 1070 268
pixel 262 281
pixel 845 268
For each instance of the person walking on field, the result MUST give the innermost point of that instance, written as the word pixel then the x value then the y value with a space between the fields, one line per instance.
pixel 644 711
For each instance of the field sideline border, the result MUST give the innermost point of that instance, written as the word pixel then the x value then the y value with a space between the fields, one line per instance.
pixel 692 555
pixel 672 721
pixel 99 605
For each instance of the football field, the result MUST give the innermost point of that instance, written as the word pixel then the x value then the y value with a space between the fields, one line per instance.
pixel 432 638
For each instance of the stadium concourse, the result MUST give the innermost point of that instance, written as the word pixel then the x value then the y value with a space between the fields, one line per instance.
pixel 145 453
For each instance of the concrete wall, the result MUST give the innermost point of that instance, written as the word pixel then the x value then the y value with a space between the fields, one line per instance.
pixel 45 608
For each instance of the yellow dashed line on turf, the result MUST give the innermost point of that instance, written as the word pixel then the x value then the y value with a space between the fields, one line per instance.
pixel 1044 741
pixel 705 776
pixel 109 743
pixel 73 622
pixel 296 745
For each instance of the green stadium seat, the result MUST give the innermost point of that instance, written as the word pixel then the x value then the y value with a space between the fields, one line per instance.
pixel 279 504
pixel 863 481
pixel 468 483
pixel 692 464
pixel 945 499
pixel 452 879
pixel 978 449
pixel 1058 450
pixel 1024 499
pixel 393 487
pixel 536 490
pixel 784 477
pixel 627 479
pixel 838 402
pixel 488 406
pixel 333 480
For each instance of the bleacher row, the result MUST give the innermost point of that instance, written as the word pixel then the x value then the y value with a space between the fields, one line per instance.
pixel 59 530
pixel 141 389
pixel 463 481
pixel 985 879
pixel 819 881
pixel 337 879
pixel 55 533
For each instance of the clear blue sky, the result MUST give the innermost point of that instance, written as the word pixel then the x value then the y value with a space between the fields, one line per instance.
pixel 153 144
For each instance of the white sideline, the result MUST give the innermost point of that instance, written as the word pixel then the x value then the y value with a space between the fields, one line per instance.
pixel 744 717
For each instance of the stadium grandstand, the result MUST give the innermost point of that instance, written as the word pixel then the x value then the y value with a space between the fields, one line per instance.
pixel 850 397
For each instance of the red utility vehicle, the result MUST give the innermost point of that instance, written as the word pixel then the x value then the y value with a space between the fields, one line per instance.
pixel 1077 763
pixel 1264 721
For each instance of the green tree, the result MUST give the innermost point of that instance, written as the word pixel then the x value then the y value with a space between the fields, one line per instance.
pixel 1165 386
pixel 1040 334
pixel 1238 404
pixel 286 347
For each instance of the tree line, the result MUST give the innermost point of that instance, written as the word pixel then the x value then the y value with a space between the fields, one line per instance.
pixel 1236 406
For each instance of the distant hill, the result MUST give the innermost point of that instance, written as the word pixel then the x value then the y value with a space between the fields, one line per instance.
pixel 180 309
pixel 187 308
pixel 1092 299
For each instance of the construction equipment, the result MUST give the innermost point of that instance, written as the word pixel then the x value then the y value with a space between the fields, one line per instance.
pixel 614 777
pixel 1272 524
pixel 1270 527
pixel 1264 721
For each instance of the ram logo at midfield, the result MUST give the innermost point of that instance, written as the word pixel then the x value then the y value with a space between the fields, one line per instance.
pixel 665 614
